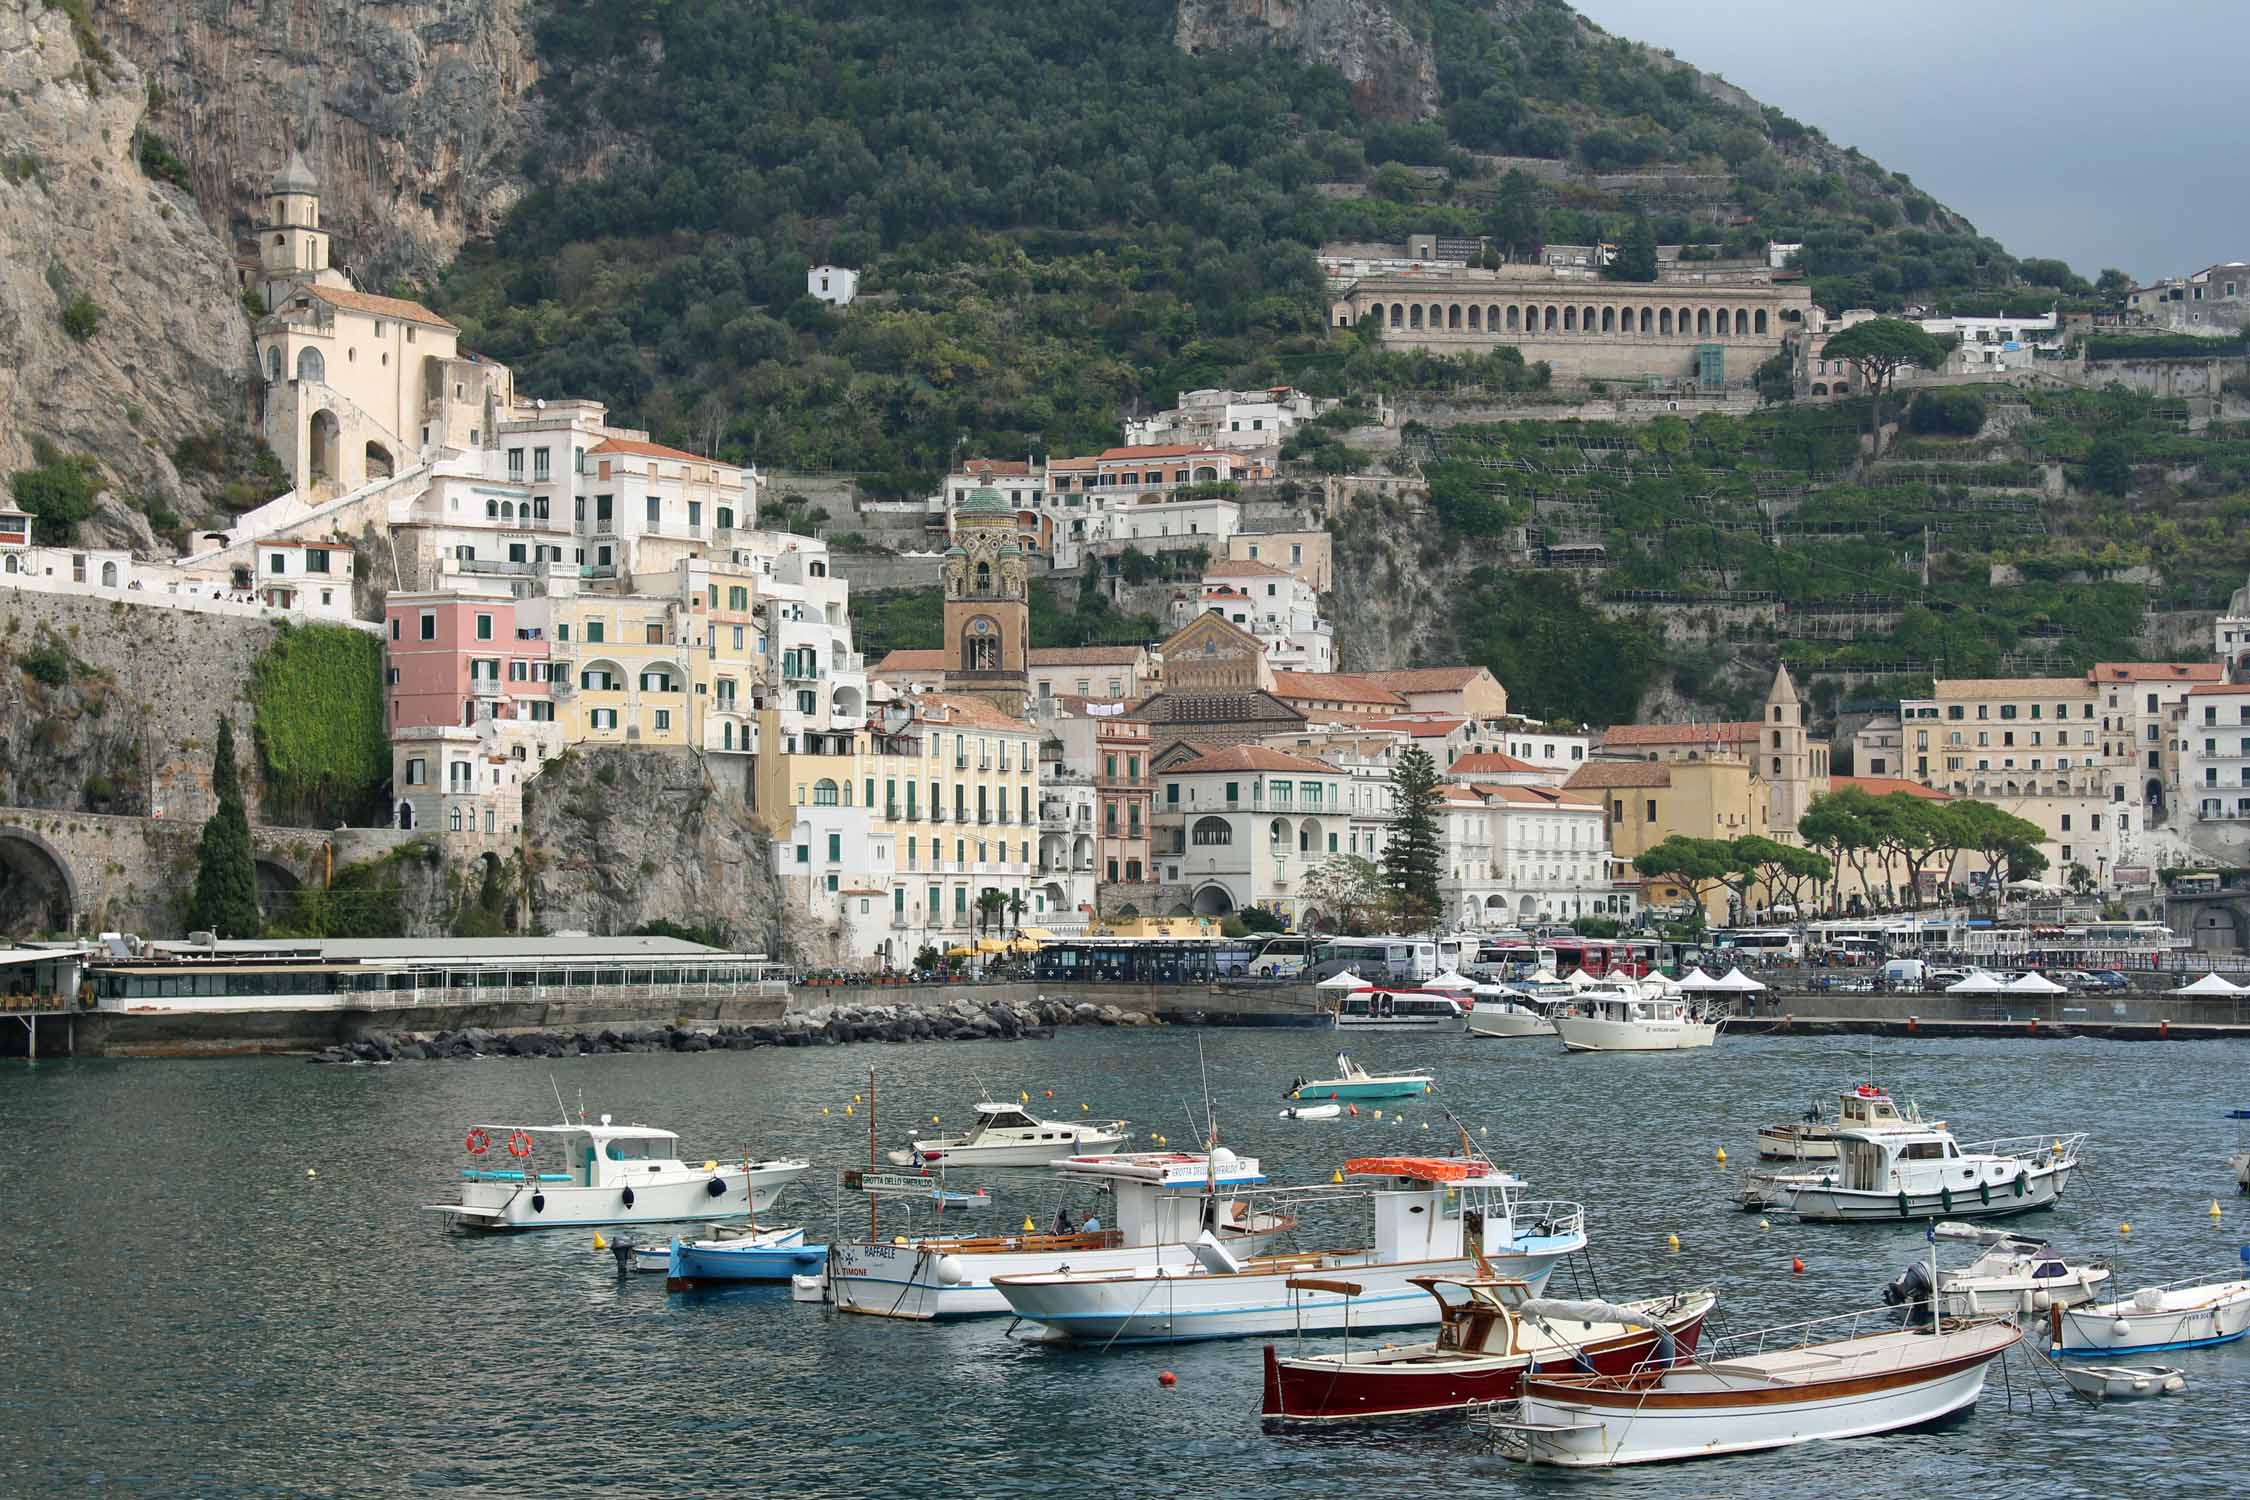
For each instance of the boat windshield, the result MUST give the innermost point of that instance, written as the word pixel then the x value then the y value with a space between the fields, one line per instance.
pixel 639 1148
pixel 1007 1119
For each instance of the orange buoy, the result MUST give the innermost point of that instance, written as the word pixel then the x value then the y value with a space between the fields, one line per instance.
pixel 1167 1378
pixel 1796 1265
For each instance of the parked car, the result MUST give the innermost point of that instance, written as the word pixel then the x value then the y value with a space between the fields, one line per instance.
pixel 2075 979
pixel 1938 979
pixel 2108 979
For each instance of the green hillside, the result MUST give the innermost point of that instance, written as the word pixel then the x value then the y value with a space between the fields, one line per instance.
pixel 1059 212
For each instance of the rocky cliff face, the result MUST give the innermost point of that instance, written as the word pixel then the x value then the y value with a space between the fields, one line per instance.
pixel 1390 70
pixel 415 115
pixel 616 838
pixel 169 350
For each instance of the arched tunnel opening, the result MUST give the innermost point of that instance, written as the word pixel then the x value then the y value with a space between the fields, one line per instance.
pixel 35 892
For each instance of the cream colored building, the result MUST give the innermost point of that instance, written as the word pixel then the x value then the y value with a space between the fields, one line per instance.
pixel 1713 797
pixel 1311 555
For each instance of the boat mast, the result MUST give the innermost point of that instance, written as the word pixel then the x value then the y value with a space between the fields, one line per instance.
pixel 871 1150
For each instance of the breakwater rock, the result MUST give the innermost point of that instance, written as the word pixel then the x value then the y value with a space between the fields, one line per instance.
pixel 823 1026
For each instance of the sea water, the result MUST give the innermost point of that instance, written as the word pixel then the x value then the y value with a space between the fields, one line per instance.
pixel 219 1280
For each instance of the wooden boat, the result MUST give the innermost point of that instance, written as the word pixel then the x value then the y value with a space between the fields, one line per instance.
pixel 1495 1330
pixel 749 1254
pixel 1353 1082
pixel 1921 1172
pixel 2122 1382
pixel 1742 1403
pixel 1813 1138
pixel 2178 1315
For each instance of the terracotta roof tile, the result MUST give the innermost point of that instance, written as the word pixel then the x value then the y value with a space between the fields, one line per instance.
pixel 1597 774
pixel 2158 671
pixel 381 307
pixel 1729 732
pixel 1251 758
pixel 1087 656
pixel 1242 567
pixel 2218 687
pixel 1489 763
pixel 1334 687
pixel 2008 687
pixel 1425 679
pixel 912 661
pixel 637 449
pixel 1421 729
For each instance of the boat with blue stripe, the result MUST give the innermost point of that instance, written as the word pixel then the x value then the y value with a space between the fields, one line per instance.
pixel 741 1254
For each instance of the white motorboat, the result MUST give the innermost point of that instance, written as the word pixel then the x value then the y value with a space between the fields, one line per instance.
pixel 1381 1008
pixel 1006 1135
pixel 576 1175
pixel 1161 1200
pixel 1813 1138
pixel 1447 1217
pixel 1500 1010
pixel 2014 1275
pixel 1761 1397
pixel 1923 1173
pixel 1619 1018
pixel 1353 1082
pixel 2122 1382
pixel 2179 1315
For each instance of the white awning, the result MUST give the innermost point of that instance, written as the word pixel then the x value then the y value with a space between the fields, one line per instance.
pixel 2209 984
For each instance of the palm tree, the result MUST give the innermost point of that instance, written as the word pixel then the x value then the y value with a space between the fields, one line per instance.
pixel 1017 906
pixel 990 903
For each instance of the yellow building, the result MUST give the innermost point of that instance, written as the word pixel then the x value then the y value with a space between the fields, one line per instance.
pixel 626 672
pixel 1648 802
pixel 898 827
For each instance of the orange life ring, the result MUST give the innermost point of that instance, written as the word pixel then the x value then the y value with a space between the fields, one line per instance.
pixel 478 1142
pixel 519 1144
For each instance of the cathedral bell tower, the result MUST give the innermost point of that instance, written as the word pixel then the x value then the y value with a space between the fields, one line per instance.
pixel 1785 758
pixel 292 248
pixel 987 605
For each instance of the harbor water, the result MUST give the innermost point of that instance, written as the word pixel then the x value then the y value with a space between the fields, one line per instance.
pixel 219 1280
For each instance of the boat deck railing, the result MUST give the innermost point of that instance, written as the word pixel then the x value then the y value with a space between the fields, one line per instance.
pixel 1549 1216
pixel 2057 1146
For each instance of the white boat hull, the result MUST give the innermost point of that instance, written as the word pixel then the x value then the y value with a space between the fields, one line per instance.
pixel 2017 1297
pixel 1179 1303
pixel 1509 1023
pixel 2242 1171
pixel 1578 1434
pixel 2124 1327
pixel 909 1281
pixel 1397 1023
pixel 1596 1034
pixel 667 1198
pixel 1071 1141
pixel 1797 1143
pixel 2042 1188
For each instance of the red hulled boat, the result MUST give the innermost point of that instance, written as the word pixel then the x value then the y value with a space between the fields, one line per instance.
pixel 1493 1330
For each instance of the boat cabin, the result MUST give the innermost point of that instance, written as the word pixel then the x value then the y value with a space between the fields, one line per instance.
pixel 1475 1311
pixel 1398 1005
pixel 1438 1207
pixel 603 1155
pixel 1625 1006
pixel 1158 1197
pixel 1866 1107
pixel 1876 1163
pixel 1018 1124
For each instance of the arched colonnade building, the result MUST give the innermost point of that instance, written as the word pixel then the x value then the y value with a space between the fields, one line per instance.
pixel 1583 328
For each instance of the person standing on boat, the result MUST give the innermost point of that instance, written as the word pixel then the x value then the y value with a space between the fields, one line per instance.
pixel 1093 1224
pixel 1062 1220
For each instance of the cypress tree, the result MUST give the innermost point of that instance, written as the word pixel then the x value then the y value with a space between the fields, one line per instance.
pixel 1413 856
pixel 225 900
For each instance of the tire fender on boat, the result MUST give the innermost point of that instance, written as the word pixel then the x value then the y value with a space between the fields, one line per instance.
pixel 717 1187
pixel 538 1203
pixel 628 1197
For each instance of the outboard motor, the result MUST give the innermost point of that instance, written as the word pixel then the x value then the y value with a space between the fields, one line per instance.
pixel 1292 1091
pixel 622 1251
pixel 1911 1290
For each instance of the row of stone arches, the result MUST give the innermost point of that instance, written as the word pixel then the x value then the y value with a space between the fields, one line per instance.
pixel 1595 318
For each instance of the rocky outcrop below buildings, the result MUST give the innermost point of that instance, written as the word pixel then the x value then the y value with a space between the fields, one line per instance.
pixel 123 329
pixel 960 1020
pixel 1391 71
pixel 614 839
pixel 415 115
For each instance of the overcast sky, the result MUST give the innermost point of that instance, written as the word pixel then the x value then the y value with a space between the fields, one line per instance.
pixel 2108 135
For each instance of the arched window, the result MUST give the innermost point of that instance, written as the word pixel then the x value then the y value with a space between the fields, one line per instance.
pixel 824 793
pixel 1414 316
pixel 508 510
pixel 109 575
pixel 492 510
pixel 1586 320
pixel 1609 320
pixel 1761 324
pixel 1721 330
pixel 1210 831
pixel 273 363
pixel 1664 323
pixel 984 577
pixel 726 735
pixel 1570 320
pixel 453 819
pixel 1476 318
pixel 310 366
pixel 1514 319
pixel 1703 320
pixel 1437 317
pixel 1547 324
pixel 1453 316
pixel 1741 321
pixel 1647 321
pixel 1398 316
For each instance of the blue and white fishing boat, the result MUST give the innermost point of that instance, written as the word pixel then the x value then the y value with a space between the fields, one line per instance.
pixel 2176 1316
pixel 739 1254
pixel 1353 1082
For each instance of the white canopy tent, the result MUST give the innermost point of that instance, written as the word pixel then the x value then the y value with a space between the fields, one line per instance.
pixel 1451 979
pixel 2035 983
pixel 2209 984
pixel 1735 982
pixel 1979 983
pixel 1342 979
pixel 1698 980
pixel 1579 979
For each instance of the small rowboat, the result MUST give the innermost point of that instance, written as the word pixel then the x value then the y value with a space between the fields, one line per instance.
pixel 2123 1382
pixel 1312 1112
pixel 751 1254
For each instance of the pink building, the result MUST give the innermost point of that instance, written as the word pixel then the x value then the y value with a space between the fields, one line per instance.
pixel 463 659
